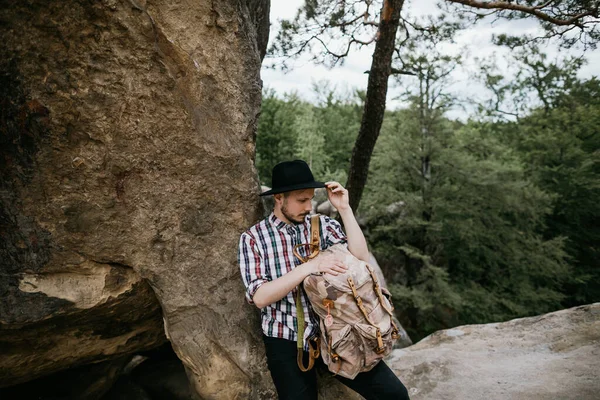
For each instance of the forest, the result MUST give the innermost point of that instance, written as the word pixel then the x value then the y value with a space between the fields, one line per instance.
pixel 473 220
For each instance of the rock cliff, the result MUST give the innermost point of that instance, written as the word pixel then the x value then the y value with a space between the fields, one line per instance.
pixel 551 356
pixel 126 162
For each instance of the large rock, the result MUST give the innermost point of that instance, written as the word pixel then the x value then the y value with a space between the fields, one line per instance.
pixel 126 162
pixel 552 356
pixel 63 319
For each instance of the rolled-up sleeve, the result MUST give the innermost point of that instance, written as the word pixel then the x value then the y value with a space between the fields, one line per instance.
pixel 251 266
pixel 333 232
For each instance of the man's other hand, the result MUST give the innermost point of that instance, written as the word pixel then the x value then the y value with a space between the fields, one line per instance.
pixel 338 196
pixel 327 263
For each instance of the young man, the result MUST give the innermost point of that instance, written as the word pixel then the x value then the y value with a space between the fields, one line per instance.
pixel 271 272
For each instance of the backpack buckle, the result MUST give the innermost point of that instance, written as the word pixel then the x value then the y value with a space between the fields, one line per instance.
pixel 380 347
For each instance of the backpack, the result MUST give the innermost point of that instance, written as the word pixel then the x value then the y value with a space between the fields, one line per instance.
pixel 356 313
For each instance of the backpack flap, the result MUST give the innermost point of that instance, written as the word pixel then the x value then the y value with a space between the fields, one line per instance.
pixel 357 269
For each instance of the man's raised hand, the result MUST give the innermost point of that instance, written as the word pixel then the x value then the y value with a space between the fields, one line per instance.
pixel 338 196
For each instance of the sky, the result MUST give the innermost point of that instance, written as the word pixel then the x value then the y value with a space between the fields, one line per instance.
pixel 473 44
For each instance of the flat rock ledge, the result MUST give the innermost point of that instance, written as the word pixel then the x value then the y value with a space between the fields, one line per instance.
pixel 551 356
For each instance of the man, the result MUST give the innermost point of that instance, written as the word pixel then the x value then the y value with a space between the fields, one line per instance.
pixel 271 274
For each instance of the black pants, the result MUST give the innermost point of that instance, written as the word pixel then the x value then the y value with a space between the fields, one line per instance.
pixel 380 383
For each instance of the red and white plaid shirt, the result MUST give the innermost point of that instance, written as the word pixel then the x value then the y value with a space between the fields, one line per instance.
pixel 266 253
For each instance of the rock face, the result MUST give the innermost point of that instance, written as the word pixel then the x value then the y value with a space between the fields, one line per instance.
pixel 552 356
pixel 90 326
pixel 126 163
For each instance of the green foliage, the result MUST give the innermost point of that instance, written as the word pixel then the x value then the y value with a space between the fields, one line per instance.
pixel 276 137
pixel 561 148
pixel 322 135
pixel 559 144
pixel 339 120
pixel 467 230
pixel 310 141
pixel 561 17
pixel 531 81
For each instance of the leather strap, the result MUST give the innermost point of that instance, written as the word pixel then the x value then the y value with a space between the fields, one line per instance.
pixel 315 241
pixel 377 288
pixel 334 357
pixel 314 246
pixel 379 349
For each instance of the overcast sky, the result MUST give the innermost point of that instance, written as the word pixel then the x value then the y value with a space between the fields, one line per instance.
pixel 472 43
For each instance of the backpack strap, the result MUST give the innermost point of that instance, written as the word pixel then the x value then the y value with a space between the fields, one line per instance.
pixel 377 288
pixel 315 240
pixel 315 228
pixel 379 349
pixel 314 245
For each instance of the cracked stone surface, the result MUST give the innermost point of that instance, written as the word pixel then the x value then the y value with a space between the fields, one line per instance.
pixel 127 174
pixel 551 356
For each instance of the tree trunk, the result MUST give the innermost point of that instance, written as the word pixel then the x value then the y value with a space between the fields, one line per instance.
pixel 374 110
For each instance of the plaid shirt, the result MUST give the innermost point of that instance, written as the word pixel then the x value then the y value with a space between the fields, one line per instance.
pixel 266 253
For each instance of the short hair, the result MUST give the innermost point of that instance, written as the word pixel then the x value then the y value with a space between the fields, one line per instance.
pixel 285 194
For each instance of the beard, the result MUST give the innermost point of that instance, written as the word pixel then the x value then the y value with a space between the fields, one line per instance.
pixel 295 219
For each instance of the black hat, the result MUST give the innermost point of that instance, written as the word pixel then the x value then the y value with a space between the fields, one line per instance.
pixel 292 175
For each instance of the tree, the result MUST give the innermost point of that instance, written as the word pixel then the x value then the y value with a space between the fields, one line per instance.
pixel 455 219
pixel 556 135
pixel 531 81
pixel 467 247
pixel 276 134
pixel 338 116
pixel 323 135
pixel 329 30
pixel 560 147
pixel 310 141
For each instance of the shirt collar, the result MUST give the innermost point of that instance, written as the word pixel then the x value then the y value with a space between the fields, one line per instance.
pixel 279 224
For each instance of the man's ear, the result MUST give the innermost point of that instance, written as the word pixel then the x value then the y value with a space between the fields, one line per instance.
pixel 278 197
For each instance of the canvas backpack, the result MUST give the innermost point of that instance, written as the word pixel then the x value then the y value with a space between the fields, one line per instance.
pixel 356 313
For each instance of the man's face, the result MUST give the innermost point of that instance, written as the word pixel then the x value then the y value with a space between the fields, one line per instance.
pixel 297 204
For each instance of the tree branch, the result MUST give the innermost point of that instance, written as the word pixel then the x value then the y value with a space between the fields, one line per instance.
pixel 372 23
pixel 532 10
pixel 395 71
pixel 346 23
pixel 363 42
pixel 336 55
pixel 543 5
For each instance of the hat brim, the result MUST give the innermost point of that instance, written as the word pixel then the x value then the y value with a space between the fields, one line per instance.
pixel 283 189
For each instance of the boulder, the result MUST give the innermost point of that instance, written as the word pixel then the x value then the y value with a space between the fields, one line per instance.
pixel 326 208
pixel 126 164
pixel 64 319
pixel 551 356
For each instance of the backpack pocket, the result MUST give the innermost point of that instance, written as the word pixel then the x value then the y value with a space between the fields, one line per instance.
pixel 370 340
pixel 342 353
